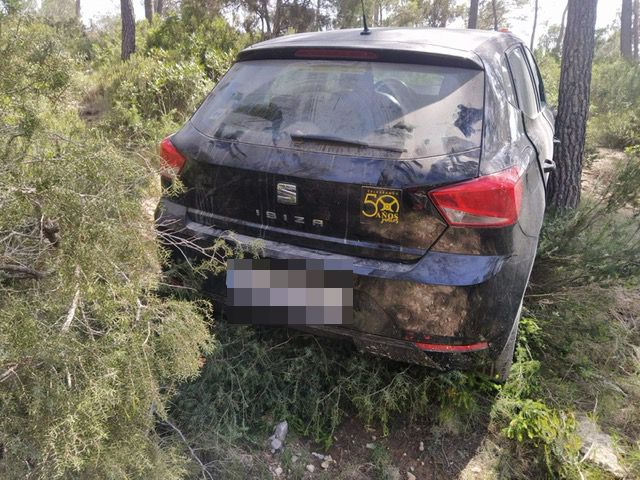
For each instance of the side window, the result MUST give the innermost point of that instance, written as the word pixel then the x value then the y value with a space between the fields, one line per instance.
pixel 537 78
pixel 507 82
pixel 525 89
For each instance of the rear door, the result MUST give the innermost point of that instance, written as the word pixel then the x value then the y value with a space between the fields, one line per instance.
pixel 537 116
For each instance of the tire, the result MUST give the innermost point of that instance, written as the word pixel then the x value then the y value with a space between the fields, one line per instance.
pixel 502 364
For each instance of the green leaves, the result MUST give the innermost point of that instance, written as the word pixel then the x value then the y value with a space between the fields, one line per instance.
pixel 78 399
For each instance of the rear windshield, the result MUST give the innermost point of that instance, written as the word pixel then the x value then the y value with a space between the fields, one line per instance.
pixel 370 109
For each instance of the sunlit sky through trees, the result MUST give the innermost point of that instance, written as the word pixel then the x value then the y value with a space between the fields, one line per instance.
pixel 550 12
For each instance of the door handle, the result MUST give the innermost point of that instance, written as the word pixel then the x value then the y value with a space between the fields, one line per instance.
pixel 548 166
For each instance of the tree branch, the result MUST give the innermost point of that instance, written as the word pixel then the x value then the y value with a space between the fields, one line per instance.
pixel 205 473
pixel 72 311
pixel 18 271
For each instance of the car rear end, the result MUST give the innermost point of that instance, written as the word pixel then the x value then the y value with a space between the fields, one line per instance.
pixel 373 156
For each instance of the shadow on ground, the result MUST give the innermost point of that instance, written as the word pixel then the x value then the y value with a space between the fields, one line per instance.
pixel 375 418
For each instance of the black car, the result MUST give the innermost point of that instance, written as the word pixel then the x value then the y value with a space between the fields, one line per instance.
pixel 417 156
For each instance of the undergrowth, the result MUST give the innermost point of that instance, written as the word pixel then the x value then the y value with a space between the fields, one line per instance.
pixel 258 377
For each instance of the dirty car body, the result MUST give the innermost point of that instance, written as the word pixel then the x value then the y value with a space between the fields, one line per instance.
pixel 421 155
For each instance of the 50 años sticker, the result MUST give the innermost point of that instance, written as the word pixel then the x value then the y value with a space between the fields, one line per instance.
pixel 381 204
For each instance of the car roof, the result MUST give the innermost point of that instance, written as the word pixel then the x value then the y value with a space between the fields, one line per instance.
pixel 462 43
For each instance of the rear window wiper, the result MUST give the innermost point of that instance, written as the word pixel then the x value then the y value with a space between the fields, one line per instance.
pixel 334 139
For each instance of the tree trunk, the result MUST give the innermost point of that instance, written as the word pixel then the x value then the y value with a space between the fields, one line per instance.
pixel 277 18
pixel 318 15
pixel 128 29
pixel 265 14
pixel 573 104
pixel 535 24
pixel 78 10
pixel 473 14
pixel 626 21
pixel 636 29
pixel 376 20
pixel 159 7
pixel 148 10
pixel 495 15
pixel 563 24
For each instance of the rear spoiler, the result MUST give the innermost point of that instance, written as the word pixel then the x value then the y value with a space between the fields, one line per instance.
pixel 393 55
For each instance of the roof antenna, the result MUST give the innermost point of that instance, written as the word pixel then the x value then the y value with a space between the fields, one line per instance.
pixel 366 30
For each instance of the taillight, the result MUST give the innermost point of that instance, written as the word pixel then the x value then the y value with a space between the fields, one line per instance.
pixel 488 201
pixel 171 160
pixel 441 347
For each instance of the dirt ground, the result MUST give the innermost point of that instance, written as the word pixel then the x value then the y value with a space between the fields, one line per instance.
pixel 411 451
pixel 598 171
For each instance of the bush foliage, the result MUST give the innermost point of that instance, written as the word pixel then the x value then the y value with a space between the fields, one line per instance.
pixel 614 115
pixel 615 110
pixel 150 96
pixel 88 352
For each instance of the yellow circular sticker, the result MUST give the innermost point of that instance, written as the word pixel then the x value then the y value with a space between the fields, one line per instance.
pixel 381 204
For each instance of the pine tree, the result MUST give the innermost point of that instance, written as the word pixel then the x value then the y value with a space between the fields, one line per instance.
pixel 128 29
pixel 573 104
pixel 626 26
pixel 473 14
pixel 148 10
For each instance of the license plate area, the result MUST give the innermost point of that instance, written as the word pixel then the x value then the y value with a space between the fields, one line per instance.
pixel 289 291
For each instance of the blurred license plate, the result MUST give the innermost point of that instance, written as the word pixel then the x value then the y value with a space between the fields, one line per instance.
pixel 290 291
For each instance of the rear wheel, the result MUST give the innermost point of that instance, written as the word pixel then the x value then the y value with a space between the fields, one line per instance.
pixel 502 364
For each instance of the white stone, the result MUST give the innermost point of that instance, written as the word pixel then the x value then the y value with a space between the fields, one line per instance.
pixel 311 468
pixel 598 447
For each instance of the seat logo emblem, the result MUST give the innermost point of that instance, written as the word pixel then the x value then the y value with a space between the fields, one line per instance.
pixel 287 193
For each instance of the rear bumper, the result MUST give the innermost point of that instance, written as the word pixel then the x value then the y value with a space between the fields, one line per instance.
pixel 434 268
pixel 443 298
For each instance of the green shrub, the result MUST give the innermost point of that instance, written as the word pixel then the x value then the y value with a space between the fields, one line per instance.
pixel 615 106
pixel 548 430
pixel 617 129
pixel 615 85
pixel 88 352
pixel 151 96
pixel 549 65
pixel 614 115
pixel 599 243
pixel 210 42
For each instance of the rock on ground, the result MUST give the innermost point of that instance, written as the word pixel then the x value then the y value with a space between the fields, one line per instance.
pixel 276 440
pixel 598 447
pixel 483 464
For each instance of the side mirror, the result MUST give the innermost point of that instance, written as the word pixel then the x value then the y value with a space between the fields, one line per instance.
pixel 554 110
pixel 548 166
